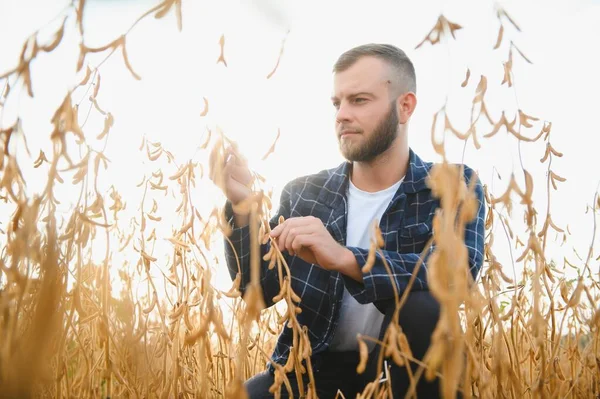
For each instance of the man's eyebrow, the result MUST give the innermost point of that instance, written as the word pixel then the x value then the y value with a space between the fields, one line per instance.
pixel 362 93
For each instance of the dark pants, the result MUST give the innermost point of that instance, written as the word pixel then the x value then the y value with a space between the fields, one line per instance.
pixel 337 370
pixel 332 371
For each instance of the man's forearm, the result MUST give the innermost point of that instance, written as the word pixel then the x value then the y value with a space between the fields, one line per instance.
pixel 238 220
pixel 241 220
pixel 349 266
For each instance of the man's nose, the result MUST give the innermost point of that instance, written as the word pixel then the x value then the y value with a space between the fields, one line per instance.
pixel 343 113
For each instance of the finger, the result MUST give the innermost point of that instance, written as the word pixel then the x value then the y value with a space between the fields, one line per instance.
pixel 281 231
pixel 238 173
pixel 216 162
pixel 232 155
pixel 279 228
pixel 218 159
pixel 301 241
pixel 293 233
pixel 282 236
pixel 301 221
pixel 276 231
pixel 286 242
pixel 236 191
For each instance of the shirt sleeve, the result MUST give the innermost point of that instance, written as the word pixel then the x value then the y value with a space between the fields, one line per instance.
pixel 378 284
pixel 237 253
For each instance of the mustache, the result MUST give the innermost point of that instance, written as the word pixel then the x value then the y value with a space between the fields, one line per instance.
pixel 343 128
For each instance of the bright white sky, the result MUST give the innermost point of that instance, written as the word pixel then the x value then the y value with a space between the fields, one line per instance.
pixel 179 69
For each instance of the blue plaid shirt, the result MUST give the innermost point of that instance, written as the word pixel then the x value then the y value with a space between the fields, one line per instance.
pixel 406 227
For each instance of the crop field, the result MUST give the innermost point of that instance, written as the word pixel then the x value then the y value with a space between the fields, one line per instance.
pixel 109 294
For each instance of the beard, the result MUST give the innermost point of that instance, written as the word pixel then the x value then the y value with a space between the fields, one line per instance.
pixel 375 144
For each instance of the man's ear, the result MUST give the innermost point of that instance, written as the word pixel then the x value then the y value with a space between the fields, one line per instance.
pixel 406 104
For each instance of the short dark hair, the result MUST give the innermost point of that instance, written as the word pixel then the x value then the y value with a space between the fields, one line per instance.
pixel 395 57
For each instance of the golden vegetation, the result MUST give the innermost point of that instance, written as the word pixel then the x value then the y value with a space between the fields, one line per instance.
pixel 62 333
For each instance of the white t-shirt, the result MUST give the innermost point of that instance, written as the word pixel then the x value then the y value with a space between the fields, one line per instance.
pixel 355 318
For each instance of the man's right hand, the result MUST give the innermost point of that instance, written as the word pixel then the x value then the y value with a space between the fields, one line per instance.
pixel 230 172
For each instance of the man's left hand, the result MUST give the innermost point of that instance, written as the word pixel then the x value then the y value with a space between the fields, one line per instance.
pixel 307 238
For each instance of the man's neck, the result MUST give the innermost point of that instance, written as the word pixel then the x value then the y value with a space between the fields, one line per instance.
pixel 384 171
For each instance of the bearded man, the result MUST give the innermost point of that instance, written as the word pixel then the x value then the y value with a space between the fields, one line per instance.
pixel 327 232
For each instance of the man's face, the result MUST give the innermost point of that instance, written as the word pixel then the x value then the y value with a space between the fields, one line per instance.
pixel 366 118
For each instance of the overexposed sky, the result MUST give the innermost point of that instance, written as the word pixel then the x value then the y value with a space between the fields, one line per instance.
pixel 178 69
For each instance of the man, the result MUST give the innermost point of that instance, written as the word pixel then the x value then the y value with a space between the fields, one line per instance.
pixel 326 234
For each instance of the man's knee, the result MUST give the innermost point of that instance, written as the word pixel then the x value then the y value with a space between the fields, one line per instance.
pixel 402 381
pixel 418 318
pixel 258 386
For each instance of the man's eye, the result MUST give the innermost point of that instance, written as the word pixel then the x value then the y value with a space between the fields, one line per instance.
pixel 336 105
pixel 359 100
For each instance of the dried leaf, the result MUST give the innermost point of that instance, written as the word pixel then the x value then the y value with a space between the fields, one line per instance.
pixel 528 185
pixel 499 40
pixel 154 218
pixel 272 148
pixel 153 156
pixel 112 45
pixel 154 186
pixel 546 129
pixel 437 146
pixel 205 144
pixel 453 27
pixel 434 34
pixel 370 262
pixel 553 151
pixel 88 220
pixel 363 350
pixel 41 159
pixel 178 13
pixel 480 90
pixel 80 8
pixel 180 172
pixel 550 150
pixel 279 57
pixel 205 111
pixel 466 81
pixel 108 122
pixel 126 59
pixel 554 226
pixel 507 73
pixel 147 257
pixel 148 309
pixel 502 13
pixel 521 53
pixel 88 73
pixel 472 132
pixel 57 39
pixel 81 59
pixel 222 54
pixel 524 119
pixel 97 86
pixel 448 126
pixel 378 236
pixel 163 8
pixel 554 177
pixel 26 74
pixel 95 103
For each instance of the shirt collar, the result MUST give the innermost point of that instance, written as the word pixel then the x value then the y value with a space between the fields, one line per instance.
pixel 336 184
